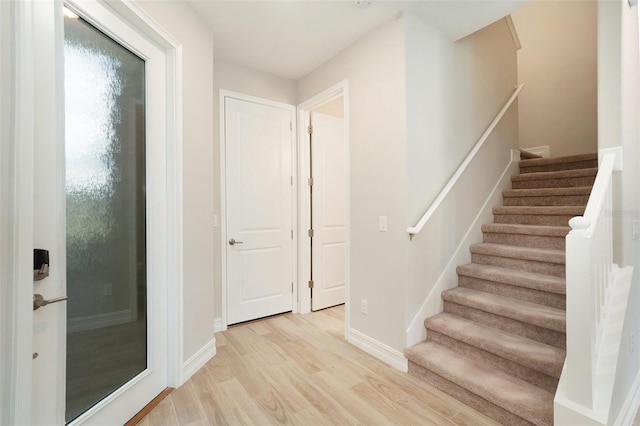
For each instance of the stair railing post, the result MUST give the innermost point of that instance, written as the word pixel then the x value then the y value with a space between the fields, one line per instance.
pixel 581 311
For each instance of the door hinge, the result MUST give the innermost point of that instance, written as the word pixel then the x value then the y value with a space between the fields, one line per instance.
pixel 310 129
pixel 311 284
pixel 310 233
pixel 292 234
pixel 291 287
pixel 291 180
pixel 310 181
pixel 291 126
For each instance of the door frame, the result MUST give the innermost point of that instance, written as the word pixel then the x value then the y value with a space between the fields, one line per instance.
pixel 223 193
pixel 16 252
pixel 304 205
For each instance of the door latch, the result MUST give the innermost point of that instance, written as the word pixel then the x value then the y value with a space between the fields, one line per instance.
pixel 40 264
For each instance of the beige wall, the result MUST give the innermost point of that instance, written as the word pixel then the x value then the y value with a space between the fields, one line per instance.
pixel 454 91
pixel 375 69
pixel 557 63
pixel 197 50
pixel 335 108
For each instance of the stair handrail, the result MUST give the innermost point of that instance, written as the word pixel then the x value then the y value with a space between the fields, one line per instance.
pixel 589 276
pixel 414 230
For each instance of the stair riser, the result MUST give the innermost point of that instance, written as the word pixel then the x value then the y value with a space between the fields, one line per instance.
pixel 531 219
pixel 538 241
pixel 531 331
pixel 570 182
pixel 536 378
pixel 472 400
pixel 556 200
pixel 547 268
pixel 552 300
pixel 587 164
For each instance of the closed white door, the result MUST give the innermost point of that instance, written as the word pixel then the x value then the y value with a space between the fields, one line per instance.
pixel 259 209
pixel 100 209
pixel 328 211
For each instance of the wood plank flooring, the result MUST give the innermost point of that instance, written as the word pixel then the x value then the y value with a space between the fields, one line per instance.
pixel 299 370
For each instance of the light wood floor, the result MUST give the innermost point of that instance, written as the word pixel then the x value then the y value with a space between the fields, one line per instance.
pixel 298 369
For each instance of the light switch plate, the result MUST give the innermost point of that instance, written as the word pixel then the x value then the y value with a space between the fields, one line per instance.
pixel 382 224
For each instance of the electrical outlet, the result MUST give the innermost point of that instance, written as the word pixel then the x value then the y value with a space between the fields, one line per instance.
pixel 363 306
pixel 108 289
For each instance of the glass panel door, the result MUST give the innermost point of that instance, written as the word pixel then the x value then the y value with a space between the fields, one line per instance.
pixel 106 215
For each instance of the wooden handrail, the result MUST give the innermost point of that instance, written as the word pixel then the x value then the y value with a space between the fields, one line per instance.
pixel 447 188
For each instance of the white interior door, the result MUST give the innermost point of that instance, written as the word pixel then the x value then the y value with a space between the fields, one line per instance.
pixel 101 355
pixel 259 209
pixel 328 215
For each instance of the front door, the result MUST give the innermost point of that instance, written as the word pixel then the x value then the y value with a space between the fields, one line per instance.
pixel 259 209
pixel 99 208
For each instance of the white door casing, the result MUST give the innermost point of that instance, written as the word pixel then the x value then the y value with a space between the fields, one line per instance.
pixel 48 369
pixel 328 211
pixel 259 187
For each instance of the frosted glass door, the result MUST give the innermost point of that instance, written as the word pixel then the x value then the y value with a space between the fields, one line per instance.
pixel 106 215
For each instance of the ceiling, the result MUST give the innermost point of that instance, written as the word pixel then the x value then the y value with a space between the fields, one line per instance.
pixel 291 38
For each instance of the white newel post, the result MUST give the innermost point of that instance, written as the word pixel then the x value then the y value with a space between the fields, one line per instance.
pixel 581 310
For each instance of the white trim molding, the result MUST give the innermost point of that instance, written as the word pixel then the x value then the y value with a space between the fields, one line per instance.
pixel 379 350
pixel 198 360
pixel 217 325
pixel 544 150
pixel 514 32
pixel 631 404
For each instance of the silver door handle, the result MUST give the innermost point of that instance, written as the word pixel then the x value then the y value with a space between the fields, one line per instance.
pixel 233 242
pixel 39 301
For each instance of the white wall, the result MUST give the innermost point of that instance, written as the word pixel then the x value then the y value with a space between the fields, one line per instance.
pixel 557 63
pixel 375 69
pixel 618 121
pixel 235 78
pixel 196 39
pixel 454 91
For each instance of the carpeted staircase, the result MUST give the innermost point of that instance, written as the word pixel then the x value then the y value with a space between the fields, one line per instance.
pixel 499 344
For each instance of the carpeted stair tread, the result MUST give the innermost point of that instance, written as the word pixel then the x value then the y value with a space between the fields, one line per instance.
pixel 514 395
pixel 556 160
pixel 547 192
pixel 530 280
pixel 517 252
pixel 514 228
pixel 540 210
pixel 562 174
pixel 530 353
pixel 526 312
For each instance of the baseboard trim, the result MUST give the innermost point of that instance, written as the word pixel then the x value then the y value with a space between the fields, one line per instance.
pixel 217 325
pixel 377 349
pixel 544 150
pixel 631 404
pixel 432 305
pixel 91 322
pixel 198 360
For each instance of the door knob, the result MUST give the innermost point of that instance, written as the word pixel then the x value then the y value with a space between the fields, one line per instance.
pixel 233 242
pixel 39 301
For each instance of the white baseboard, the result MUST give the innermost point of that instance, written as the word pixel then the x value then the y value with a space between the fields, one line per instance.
pixel 217 325
pixel 631 404
pixel 91 322
pixel 379 350
pixel 448 278
pixel 198 360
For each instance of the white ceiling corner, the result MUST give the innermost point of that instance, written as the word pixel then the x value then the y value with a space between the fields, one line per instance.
pixel 289 39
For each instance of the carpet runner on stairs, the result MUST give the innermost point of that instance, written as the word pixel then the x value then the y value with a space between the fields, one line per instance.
pixel 499 345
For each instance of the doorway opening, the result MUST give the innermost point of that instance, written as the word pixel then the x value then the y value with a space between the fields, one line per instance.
pixel 324 200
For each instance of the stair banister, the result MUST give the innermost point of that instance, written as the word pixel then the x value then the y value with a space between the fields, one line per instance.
pixel 414 230
pixel 589 265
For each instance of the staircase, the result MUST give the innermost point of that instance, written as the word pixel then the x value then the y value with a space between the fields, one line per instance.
pixel 499 345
